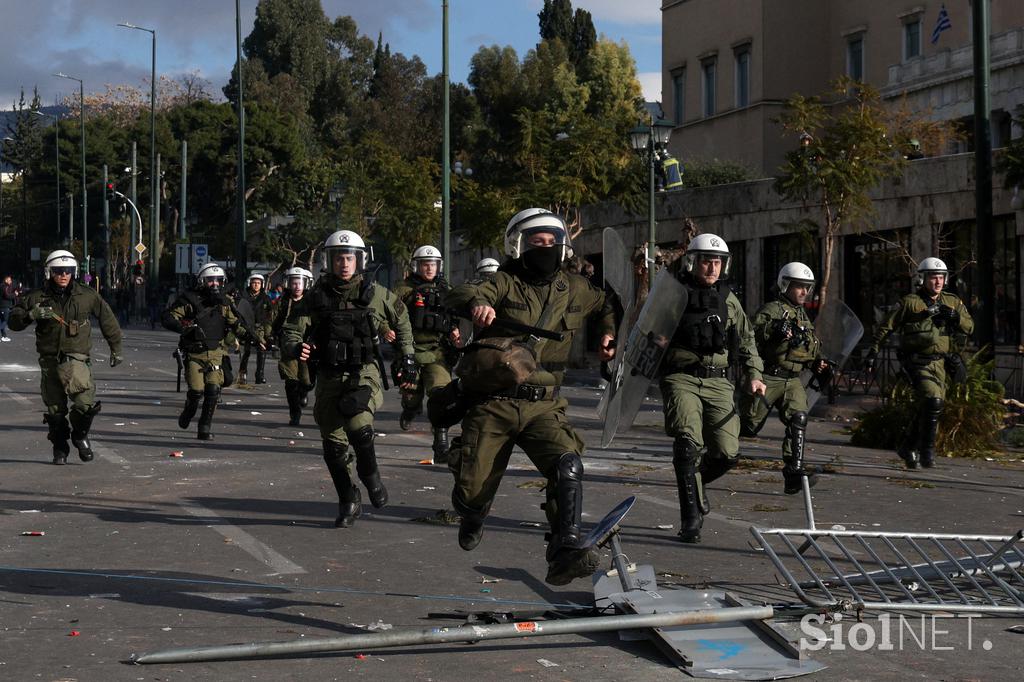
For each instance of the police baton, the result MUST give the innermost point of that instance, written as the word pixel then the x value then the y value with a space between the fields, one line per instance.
pixel 513 326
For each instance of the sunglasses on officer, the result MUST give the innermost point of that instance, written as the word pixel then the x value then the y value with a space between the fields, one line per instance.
pixel 62 270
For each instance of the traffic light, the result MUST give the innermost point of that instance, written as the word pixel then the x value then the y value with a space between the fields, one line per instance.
pixel 108 191
pixel 137 269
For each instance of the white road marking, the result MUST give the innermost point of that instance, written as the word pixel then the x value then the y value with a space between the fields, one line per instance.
pixel 165 371
pixel 261 552
pixel 16 397
pixel 13 367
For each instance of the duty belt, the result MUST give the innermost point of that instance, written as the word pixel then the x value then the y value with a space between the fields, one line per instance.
pixel 782 372
pixel 705 371
pixel 528 392
pixel 919 358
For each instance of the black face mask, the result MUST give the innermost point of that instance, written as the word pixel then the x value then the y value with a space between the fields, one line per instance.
pixel 543 261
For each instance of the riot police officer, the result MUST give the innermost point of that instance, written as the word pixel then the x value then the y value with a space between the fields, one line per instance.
pixel 698 396
pixel 486 268
pixel 296 376
pixel 337 328
pixel 932 324
pixel 531 288
pixel 435 335
pixel 787 345
pixel 203 317
pixel 61 310
pixel 255 299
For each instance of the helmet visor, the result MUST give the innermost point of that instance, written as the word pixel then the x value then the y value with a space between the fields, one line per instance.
pixel 58 270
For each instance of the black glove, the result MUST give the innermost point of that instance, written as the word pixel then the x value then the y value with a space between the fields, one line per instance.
pixel 870 359
pixel 781 330
pixel 405 370
pixel 947 316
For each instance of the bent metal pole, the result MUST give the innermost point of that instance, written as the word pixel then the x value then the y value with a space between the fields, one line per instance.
pixel 471 633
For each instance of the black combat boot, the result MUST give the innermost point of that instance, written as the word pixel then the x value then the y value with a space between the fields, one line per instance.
pixel 366 466
pixel 58 434
pixel 191 405
pixel 210 397
pixel 261 364
pixel 567 558
pixel 304 395
pixel 684 461
pixel 81 422
pixel 931 411
pixel 350 502
pixel 440 446
pixel 794 470
pixel 293 392
pixel 471 524
pixel 405 420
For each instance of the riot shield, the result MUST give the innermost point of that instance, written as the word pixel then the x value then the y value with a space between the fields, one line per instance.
pixel 839 331
pixel 643 352
pixel 618 274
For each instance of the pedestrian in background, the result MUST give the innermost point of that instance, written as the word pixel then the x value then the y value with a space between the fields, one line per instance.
pixel 8 297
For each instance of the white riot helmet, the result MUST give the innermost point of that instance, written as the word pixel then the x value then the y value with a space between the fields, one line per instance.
pixel 794 272
pixel 303 273
pixel 211 272
pixel 427 253
pixel 928 266
pixel 710 245
pixel 488 266
pixel 346 241
pixel 261 278
pixel 532 221
pixel 60 259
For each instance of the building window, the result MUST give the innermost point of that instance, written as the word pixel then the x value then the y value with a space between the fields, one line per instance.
pixel 743 76
pixel 959 248
pixel 855 57
pixel 679 96
pixel 708 77
pixel 912 39
pixel 876 275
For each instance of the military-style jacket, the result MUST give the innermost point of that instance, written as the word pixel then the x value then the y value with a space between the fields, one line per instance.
pixel 918 333
pixel 430 322
pixel 204 325
pixel 262 307
pixel 313 316
pixel 736 328
pixel 71 334
pixel 282 311
pixel 514 295
pixel 793 354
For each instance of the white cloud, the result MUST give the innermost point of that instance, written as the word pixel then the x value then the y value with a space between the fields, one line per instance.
pixel 650 83
pixel 623 11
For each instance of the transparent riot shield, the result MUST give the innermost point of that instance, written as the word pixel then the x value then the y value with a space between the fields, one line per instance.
pixel 618 274
pixel 643 352
pixel 839 331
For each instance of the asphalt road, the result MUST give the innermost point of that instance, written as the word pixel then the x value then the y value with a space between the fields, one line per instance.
pixel 234 541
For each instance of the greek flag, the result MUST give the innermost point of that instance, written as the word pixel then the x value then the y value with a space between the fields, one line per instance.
pixel 941 25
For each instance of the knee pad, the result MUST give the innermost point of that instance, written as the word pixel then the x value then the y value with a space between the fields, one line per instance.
pixel 193 395
pixel 362 437
pixel 334 451
pixel 211 390
pixel 933 406
pixel 570 467
pixel 685 451
pixel 798 420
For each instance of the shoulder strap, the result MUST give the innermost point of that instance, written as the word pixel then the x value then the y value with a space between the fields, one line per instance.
pixel 554 308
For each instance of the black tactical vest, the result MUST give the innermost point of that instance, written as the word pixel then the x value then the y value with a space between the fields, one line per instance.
pixel 426 308
pixel 209 318
pixel 344 332
pixel 703 328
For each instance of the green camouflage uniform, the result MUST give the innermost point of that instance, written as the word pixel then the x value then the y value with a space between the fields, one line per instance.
pixel 349 386
pixel 784 359
pixel 698 398
pixel 538 424
pixel 926 344
pixel 64 347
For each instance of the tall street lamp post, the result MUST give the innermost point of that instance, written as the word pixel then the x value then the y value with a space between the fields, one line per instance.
pixel 85 197
pixel 56 155
pixel 462 172
pixel 646 140
pixel 241 247
pixel 154 236
pixel 334 197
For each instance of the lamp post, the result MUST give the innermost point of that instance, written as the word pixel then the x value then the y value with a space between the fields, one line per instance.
pixel 335 195
pixel 154 236
pixel 56 155
pixel 241 248
pixel 445 138
pixel 85 197
pixel 461 171
pixel 645 140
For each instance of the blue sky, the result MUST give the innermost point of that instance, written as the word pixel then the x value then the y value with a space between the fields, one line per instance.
pixel 80 37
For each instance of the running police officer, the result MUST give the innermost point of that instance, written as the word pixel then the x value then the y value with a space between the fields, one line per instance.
pixel 337 329
pixel 530 288
pixel 294 372
pixel 929 322
pixel 787 345
pixel 435 334
pixel 203 317
pixel 61 310
pixel 698 398
pixel 255 298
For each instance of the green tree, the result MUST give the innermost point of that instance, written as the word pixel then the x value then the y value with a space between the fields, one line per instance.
pixel 1010 161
